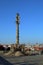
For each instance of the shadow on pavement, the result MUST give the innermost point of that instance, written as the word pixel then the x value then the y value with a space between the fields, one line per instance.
pixel 22 63
pixel 4 62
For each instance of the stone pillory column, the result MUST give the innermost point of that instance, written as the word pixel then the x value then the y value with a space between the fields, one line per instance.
pixel 17 28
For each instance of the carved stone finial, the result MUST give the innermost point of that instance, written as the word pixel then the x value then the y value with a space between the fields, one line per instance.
pixel 17 18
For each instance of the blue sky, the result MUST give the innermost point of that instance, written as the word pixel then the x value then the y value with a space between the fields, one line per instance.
pixel 31 20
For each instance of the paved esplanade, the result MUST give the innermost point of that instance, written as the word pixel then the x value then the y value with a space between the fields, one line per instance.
pixel 25 60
